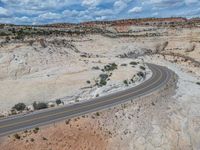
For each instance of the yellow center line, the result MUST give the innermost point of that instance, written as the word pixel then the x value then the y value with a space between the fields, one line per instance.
pixel 30 120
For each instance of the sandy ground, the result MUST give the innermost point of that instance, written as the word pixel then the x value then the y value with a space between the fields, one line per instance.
pixel 81 134
pixel 33 73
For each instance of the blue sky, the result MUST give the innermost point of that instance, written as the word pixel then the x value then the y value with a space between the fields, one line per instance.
pixel 74 11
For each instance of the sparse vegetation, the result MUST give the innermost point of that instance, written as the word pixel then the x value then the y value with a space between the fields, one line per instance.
pixel 95 68
pixel 19 107
pixel 88 82
pixel 45 139
pixel 110 67
pixel 141 74
pixel 133 63
pixel 103 76
pixel 36 130
pixel 67 121
pixel 142 67
pixel 17 136
pixel 39 105
pixel 58 101
pixel 103 80
pixel 97 114
pixel 32 140
pixel 124 65
pixel 126 82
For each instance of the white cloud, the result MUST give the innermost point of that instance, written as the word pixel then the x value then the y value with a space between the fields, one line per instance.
pixel 155 14
pixel 104 12
pixel 164 3
pixel 49 11
pixel 91 3
pixel 189 2
pixel 4 12
pixel 120 5
pixel 50 15
pixel 135 10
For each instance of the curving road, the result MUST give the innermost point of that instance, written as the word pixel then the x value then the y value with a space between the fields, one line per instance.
pixel 160 77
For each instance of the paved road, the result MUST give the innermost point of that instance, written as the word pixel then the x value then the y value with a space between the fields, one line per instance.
pixel 160 77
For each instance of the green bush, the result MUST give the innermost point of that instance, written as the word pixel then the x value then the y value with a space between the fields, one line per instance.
pixel 142 67
pixel 123 64
pixel 96 68
pixel 110 67
pixel 32 140
pixel 102 82
pixel 141 74
pixel 97 114
pixel 88 82
pixel 126 82
pixel 40 105
pixel 36 130
pixel 17 136
pixel 133 63
pixel 58 101
pixel 103 76
pixel 19 107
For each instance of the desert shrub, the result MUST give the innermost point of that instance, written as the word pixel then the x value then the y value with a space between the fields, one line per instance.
pixel 17 136
pixel 3 34
pixel 97 114
pixel 132 80
pixel 32 140
pixel 40 105
pixel 133 63
pixel 141 74
pixel 58 101
pixel 45 139
pixel 142 67
pixel 67 121
pixel 88 82
pixel 110 67
pixel 36 130
pixel 103 79
pixel 83 55
pixel 103 76
pixel 95 68
pixel 126 82
pixel 19 107
pixel 123 64
pixel 76 100
pixel 102 82
pixel 20 35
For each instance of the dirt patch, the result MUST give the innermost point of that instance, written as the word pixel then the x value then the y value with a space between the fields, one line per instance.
pixel 77 134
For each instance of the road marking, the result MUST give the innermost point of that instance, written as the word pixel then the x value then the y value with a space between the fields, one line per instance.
pixel 100 102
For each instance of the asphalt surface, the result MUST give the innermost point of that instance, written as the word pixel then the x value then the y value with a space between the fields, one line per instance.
pixel 160 77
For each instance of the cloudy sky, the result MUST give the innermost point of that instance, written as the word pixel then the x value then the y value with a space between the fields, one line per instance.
pixel 51 11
